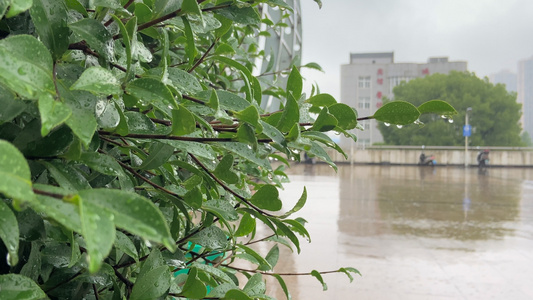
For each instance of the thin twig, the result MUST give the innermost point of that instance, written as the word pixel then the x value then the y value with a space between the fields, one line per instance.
pixel 224 186
pixel 204 56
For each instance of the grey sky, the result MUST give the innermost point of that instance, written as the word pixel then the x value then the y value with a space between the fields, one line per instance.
pixel 491 35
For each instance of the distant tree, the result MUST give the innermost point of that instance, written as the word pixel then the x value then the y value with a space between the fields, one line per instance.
pixel 526 139
pixel 494 117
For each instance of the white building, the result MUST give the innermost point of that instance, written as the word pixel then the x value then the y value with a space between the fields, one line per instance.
pixel 371 76
pixel 525 93
pixel 506 77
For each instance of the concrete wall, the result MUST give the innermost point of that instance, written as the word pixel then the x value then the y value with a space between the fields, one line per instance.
pixel 443 156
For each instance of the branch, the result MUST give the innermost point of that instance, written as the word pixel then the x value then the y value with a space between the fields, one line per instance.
pixel 204 56
pixel 53 195
pixel 64 281
pixel 171 137
pixel 280 274
pixel 223 185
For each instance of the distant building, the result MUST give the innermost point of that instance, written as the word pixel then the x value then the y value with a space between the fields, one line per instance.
pixel 371 76
pixel 284 45
pixel 508 78
pixel 525 93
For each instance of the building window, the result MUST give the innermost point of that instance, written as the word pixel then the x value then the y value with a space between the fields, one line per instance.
pixel 364 81
pixel 363 103
pixel 366 125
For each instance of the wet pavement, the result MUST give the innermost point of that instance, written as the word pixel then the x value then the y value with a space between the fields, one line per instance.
pixel 413 233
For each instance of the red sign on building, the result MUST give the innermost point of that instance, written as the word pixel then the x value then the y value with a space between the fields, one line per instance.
pixel 380 81
pixel 379 95
pixel 379 104
pixel 425 71
pixel 380 71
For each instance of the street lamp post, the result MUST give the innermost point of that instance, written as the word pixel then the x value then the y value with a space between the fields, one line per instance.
pixel 466 132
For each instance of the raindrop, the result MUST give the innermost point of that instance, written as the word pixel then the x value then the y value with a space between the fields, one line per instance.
pixel 418 122
pixel 386 124
pixel 443 116
pixel 450 120
pixel 399 126
pixel 21 71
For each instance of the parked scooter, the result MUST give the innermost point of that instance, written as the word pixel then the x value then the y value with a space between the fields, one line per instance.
pixel 483 158
pixel 427 160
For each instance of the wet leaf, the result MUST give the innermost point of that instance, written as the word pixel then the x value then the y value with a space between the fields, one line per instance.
pixel 246 225
pixel 154 278
pixel 221 208
pixel 438 107
pixel 295 83
pixel 96 35
pixel 283 286
pixel 99 81
pixel 63 212
pixel 183 121
pixel 211 237
pixel 50 20
pixel 82 122
pixel 183 81
pixel 290 115
pixel 16 286
pixel 98 231
pixel 267 197
pixel 131 212
pixel 255 285
pixel 397 112
pixel 68 177
pixel 15 173
pixel 223 170
pixel 272 258
pixel 346 115
pixel 9 233
pixel 347 271
pixel 159 154
pixel 322 100
pixel 298 206
pixel 194 288
pixel 317 275
pixel 53 113
pixel 151 90
pixel 325 121
pixel 243 15
pixel 26 66
pixel 102 163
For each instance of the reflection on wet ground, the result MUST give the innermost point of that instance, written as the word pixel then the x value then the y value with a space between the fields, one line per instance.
pixel 413 232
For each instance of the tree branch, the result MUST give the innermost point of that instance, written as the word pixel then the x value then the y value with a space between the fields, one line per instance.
pixel 204 56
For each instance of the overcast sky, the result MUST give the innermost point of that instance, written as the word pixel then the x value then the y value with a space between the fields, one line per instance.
pixel 491 35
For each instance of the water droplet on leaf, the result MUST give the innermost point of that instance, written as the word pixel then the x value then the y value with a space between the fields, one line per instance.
pixel 386 124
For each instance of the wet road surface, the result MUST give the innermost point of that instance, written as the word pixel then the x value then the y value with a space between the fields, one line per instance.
pixel 413 232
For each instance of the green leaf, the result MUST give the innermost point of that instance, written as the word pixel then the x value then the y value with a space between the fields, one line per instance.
pixel 131 212
pixel 76 5
pixel 438 107
pixel 53 113
pixel 195 148
pixel 267 197
pixel 152 285
pixel 99 81
pixel 347 271
pixel 194 288
pixel 15 173
pixel 255 285
pixel 295 83
pixel 139 123
pixel 15 286
pixel 246 225
pixel 283 286
pixel 127 41
pixel 321 100
pixel 397 112
pixel 272 258
pixel 319 3
pixel 244 15
pixel 11 107
pixel 286 231
pixel 102 163
pixel 211 237
pixel 272 132
pixel 325 121
pixel 65 213
pixel 249 115
pixel 96 35
pixel 298 206
pixel 98 232
pixel 26 66
pixel 159 154
pixel 236 295
pixel 50 20
pixel 9 233
pixel 243 151
pixel 183 121
pixel 83 120
pixel 260 260
pixel 223 170
pixel 221 208
pixel 346 115
pixel 164 7
pixel 67 176
pixel 190 46
pixel 191 6
pixel 184 82
pixel 194 197
pixel 18 6
pixel 151 90
pixel 317 275
pixel 246 135
pixel 290 116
